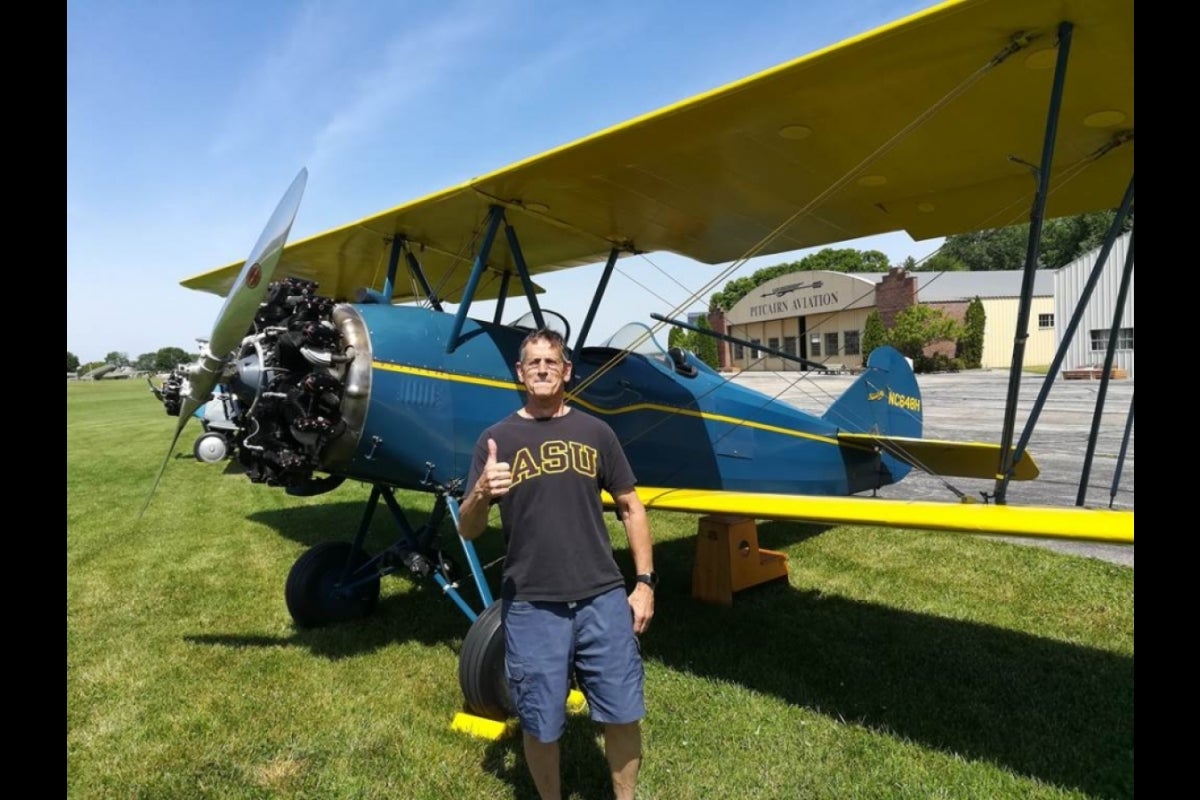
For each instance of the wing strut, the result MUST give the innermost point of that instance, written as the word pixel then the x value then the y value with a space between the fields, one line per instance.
pixel 495 217
pixel 414 267
pixel 1068 334
pixel 600 289
pixel 1113 334
pixel 495 214
pixel 519 257
pixel 499 315
pixel 389 283
pixel 1116 481
pixel 1037 216
pixel 369 295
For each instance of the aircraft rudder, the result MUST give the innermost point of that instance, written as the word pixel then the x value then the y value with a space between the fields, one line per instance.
pixel 884 399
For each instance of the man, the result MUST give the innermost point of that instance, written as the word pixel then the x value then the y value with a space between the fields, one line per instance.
pixel 564 607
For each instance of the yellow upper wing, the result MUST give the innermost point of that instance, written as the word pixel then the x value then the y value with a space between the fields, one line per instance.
pixel 913 126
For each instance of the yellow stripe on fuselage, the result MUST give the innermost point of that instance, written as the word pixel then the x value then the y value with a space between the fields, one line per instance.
pixel 438 375
pixel 513 385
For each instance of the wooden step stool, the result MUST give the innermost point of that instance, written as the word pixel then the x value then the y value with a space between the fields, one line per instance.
pixel 728 559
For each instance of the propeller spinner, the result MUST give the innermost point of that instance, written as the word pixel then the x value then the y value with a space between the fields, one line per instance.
pixel 237 314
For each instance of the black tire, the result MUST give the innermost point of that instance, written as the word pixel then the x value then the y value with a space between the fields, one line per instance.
pixel 211 448
pixel 481 667
pixel 313 591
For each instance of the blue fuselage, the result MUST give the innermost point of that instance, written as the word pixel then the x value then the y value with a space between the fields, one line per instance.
pixel 427 408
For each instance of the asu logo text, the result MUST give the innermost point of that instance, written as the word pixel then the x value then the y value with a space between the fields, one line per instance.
pixel 552 457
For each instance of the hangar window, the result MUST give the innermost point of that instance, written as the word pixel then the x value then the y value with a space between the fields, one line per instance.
pixel 814 346
pixel 789 345
pixel 773 343
pixel 851 347
pixel 831 344
pixel 1045 321
pixel 739 352
pixel 1100 339
pixel 754 343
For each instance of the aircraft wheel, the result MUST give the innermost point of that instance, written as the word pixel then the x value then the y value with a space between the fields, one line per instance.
pixel 481 667
pixel 314 593
pixel 210 448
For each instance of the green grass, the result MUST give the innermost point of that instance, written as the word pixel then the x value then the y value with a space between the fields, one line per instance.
pixel 893 664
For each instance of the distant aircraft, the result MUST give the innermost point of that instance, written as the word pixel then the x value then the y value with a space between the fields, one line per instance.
pixel 954 119
pixel 99 372
pixel 121 373
pixel 218 416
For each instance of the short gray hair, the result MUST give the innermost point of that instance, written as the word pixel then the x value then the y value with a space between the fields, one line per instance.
pixel 550 337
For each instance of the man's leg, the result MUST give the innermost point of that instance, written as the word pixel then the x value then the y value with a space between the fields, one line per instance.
pixel 542 759
pixel 623 746
pixel 608 664
pixel 537 640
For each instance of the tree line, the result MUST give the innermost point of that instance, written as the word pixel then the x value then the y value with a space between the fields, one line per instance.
pixel 1063 240
pixel 162 360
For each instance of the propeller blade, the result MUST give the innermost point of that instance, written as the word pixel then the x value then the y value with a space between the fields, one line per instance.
pixel 185 412
pixel 237 314
pixel 248 290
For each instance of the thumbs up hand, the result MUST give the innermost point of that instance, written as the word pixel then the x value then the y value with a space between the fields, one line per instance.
pixel 496 477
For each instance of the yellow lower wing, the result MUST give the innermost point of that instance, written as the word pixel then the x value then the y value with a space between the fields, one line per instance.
pixel 958 459
pixel 1085 524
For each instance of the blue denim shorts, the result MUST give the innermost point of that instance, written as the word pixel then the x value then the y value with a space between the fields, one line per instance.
pixel 548 641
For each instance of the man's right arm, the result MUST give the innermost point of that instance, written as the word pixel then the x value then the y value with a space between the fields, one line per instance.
pixel 473 512
pixel 494 481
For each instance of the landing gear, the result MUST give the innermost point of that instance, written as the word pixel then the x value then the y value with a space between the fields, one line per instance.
pixel 481 667
pixel 328 584
pixel 337 582
pixel 210 448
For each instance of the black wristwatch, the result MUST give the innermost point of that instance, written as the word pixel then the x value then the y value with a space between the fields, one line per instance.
pixel 649 578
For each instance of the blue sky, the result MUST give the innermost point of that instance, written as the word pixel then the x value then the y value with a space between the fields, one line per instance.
pixel 187 120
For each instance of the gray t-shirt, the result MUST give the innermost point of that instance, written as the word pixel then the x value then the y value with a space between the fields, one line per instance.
pixel 553 520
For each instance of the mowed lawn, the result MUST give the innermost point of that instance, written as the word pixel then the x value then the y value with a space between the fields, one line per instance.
pixel 893 664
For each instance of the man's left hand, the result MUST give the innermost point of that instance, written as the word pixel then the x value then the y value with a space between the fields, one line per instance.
pixel 642 603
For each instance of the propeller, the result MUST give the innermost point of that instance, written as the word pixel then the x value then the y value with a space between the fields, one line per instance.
pixel 237 314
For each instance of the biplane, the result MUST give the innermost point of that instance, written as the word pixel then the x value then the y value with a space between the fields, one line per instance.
pixel 353 354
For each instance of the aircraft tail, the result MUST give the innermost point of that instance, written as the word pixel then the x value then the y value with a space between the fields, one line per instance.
pixel 882 404
pixel 882 412
pixel 884 400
